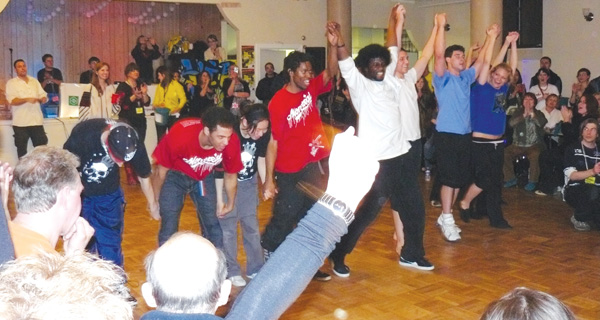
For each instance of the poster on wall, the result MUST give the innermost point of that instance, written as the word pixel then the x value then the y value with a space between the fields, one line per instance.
pixel 247 57
pixel 248 76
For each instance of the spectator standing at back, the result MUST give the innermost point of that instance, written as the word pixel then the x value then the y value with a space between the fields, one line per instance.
pixel 50 77
pixel 143 53
pixel 214 51
pixel 24 93
pixel 263 90
pixel 86 76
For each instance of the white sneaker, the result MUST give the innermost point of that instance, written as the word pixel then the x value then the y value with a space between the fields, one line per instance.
pixel 237 281
pixel 251 276
pixel 448 227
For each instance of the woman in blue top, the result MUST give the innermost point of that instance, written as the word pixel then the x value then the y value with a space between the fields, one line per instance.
pixel 488 120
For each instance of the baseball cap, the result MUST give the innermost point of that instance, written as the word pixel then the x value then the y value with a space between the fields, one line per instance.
pixel 123 141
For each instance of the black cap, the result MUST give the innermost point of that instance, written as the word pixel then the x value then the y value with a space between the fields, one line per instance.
pixel 123 141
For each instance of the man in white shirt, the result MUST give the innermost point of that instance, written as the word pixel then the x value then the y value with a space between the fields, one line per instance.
pixel 25 94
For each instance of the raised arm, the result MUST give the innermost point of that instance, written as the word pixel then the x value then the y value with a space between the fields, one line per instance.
pixel 333 38
pixel 440 46
pixel 484 58
pixel 514 60
pixel 421 64
pixel 486 53
pixel 395 25
pixel 341 49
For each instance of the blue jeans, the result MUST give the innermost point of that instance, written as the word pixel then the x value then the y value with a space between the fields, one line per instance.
pixel 105 214
pixel 291 267
pixel 244 212
pixel 204 195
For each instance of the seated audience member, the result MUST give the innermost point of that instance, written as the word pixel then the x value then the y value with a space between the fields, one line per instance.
pixel 527 304
pixel 528 139
pixel 516 90
pixel 580 86
pixel 582 177
pixel 543 89
pixel 72 286
pixel 551 160
pixel 47 192
pixel 552 114
pixel 86 76
pixel 196 283
pixel 7 253
pixel 546 63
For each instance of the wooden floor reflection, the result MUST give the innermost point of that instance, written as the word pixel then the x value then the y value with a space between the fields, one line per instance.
pixel 543 252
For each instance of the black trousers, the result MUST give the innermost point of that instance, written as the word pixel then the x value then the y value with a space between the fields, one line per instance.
pixel 22 135
pixel 290 204
pixel 396 180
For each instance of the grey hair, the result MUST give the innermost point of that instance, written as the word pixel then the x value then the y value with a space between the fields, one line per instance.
pixel 527 304
pixel 187 289
pixel 51 286
pixel 40 175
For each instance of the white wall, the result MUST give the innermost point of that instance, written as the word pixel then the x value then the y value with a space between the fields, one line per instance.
pixel 569 40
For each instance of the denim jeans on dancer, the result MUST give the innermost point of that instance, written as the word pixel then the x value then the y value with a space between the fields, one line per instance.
pixel 291 267
pixel 244 212
pixel 105 214
pixel 203 193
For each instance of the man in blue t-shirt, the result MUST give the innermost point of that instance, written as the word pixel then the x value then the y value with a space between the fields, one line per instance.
pixel 452 83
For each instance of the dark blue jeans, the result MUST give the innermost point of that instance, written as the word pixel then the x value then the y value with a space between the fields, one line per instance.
pixel 105 214
pixel 203 193
pixel 291 267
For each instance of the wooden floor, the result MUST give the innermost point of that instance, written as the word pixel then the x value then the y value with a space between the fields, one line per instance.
pixel 543 252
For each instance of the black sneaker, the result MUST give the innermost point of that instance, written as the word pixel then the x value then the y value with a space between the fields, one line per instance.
pixel 339 268
pixel 502 224
pixel 465 214
pixel 321 276
pixel 421 264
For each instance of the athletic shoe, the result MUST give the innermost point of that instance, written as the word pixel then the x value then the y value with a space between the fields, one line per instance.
pixel 251 276
pixel 436 204
pixel 421 264
pixel 530 186
pixel 510 183
pixel 580 225
pixel 503 224
pixel 267 254
pixel 448 227
pixel 465 214
pixel 540 192
pixel 321 276
pixel 339 268
pixel 237 281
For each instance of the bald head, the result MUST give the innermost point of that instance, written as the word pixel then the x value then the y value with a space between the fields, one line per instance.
pixel 187 274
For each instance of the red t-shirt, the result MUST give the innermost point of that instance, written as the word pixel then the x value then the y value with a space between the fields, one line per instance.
pixel 297 127
pixel 180 150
